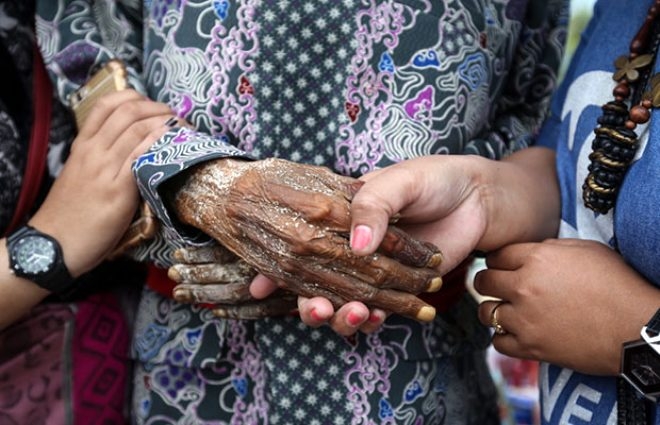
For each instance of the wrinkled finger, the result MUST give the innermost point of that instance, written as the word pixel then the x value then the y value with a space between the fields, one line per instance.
pixel 208 254
pixel 211 293
pixel 346 287
pixel 403 247
pixel 376 270
pixel 232 273
pixel 256 310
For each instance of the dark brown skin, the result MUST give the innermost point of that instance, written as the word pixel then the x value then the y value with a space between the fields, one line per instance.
pixel 291 223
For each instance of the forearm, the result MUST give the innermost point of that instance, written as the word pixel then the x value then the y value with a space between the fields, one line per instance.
pixel 18 295
pixel 522 198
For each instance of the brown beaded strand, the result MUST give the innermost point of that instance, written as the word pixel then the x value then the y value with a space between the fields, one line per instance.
pixel 616 142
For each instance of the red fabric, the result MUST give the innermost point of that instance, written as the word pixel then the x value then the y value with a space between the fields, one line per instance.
pixel 452 290
pixel 66 361
pixel 38 148
pixel 100 362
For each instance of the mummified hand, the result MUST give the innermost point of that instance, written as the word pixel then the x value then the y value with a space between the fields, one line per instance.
pixel 214 275
pixel 291 223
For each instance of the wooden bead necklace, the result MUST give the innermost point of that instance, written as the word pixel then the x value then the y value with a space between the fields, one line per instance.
pixel 616 142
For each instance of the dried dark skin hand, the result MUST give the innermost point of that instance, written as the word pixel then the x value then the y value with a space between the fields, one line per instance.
pixel 291 223
pixel 213 275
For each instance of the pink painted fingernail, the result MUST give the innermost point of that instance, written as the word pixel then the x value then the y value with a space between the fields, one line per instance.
pixel 354 319
pixel 315 315
pixel 374 318
pixel 361 237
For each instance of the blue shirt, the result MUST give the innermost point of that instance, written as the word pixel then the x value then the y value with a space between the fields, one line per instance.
pixel 632 227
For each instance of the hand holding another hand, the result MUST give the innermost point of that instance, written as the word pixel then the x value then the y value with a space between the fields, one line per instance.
pixel 291 222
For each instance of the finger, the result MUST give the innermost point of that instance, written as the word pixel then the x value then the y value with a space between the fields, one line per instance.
pixel 373 211
pixel 403 247
pixel 511 257
pixel 315 311
pixel 262 287
pixel 139 149
pixel 103 108
pixel 258 309
pixel 346 287
pixel 215 253
pixel 377 270
pixel 349 318
pixel 211 293
pixel 485 312
pixel 497 315
pixel 231 273
pixel 374 322
pixel 500 284
pixel 148 129
pixel 124 117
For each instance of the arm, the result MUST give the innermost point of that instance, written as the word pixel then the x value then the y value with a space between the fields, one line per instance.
pixel 95 194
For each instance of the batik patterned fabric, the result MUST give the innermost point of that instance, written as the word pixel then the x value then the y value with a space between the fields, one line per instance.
pixel 354 85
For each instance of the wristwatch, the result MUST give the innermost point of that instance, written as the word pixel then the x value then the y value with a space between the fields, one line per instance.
pixel 36 256
pixel 640 360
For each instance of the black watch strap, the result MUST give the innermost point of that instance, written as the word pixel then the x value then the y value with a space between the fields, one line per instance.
pixel 640 362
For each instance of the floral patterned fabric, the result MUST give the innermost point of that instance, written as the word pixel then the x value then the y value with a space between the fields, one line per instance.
pixel 353 85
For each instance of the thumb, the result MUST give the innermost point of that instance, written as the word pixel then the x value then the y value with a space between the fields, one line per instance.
pixel 374 206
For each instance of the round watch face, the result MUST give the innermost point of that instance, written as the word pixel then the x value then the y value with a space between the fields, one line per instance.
pixel 34 254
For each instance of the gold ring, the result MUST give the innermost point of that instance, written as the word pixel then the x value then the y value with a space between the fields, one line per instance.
pixel 499 330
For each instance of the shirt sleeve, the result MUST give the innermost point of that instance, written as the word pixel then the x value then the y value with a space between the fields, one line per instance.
pixel 178 152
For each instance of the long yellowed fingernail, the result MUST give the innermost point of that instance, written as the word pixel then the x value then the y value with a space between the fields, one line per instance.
pixel 435 285
pixel 426 314
pixel 174 274
pixel 435 260
pixel 183 295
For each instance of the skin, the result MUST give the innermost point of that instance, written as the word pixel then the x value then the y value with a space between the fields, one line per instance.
pixel 569 302
pixel 457 204
pixel 121 127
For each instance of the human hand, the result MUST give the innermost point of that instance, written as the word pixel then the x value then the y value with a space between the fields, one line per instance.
pixel 459 203
pixel 214 275
pixel 569 302
pixel 291 222
pixel 92 201
pixel 454 213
